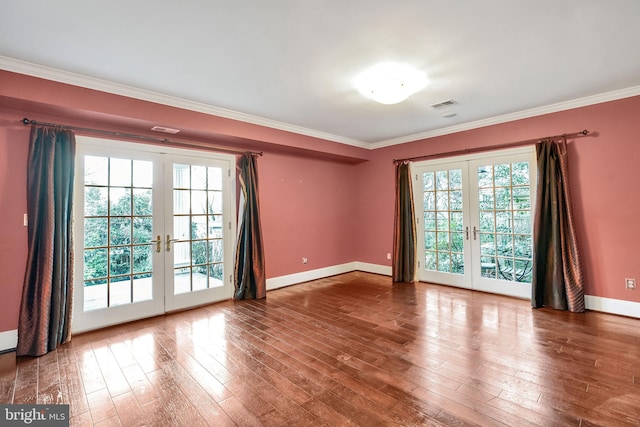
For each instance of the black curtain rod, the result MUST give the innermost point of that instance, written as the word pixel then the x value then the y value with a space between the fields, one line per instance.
pixel 491 147
pixel 26 122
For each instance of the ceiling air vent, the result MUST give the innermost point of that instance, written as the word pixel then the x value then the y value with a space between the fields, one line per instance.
pixel 165 130
pixel 444 104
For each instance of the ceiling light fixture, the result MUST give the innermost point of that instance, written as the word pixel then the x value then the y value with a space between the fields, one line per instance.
pixel 390 83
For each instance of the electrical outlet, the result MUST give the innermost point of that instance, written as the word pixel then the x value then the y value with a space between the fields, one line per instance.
pixel 630 284
pixel 305 260
pixel 388 255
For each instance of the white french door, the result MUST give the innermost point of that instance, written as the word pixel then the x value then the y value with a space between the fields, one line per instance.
pixel 153 231
pixel 197 231
pixel 474 221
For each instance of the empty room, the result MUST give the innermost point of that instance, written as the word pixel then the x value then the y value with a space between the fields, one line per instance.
pixel 319 213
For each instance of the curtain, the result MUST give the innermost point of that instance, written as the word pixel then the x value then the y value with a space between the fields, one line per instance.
pixel 557 273
pixel 250 280
pixel 45 309
pixel 404 232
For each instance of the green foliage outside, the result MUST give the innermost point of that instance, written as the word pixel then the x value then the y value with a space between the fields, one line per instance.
pixel 110 241
pixel 118 237
pixel 504 221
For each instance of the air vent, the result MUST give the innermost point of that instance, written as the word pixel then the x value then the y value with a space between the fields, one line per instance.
pixel 444 104
pixel 165 130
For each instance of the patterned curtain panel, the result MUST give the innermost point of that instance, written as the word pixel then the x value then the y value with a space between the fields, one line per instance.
pixel 557 273
pixel 250 279
pixel 45 310
pixel 404 233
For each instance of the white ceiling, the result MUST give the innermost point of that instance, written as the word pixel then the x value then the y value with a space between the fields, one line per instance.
pixel 291 63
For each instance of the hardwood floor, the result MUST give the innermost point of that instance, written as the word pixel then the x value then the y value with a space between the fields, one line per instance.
pixel 347 350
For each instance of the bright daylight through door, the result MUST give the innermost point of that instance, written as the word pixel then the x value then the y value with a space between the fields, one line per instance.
pixel 118 231
pixel 155 231
pixel 198 228
pixel 475 221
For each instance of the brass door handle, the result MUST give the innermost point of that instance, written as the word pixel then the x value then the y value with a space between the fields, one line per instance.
pixel 158 243
pixel 169 241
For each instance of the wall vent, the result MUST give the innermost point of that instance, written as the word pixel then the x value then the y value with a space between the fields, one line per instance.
pixel 444 104
pixel 165 130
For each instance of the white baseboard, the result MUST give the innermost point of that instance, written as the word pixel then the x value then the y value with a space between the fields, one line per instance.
pixel 305 276
pixel 605 305
pixel 8 340
pixel 613 306
pixel 373 268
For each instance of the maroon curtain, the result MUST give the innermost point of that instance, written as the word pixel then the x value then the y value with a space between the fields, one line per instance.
pixel 557 273
pixel 404 232
pixel 250 278
pixel 45 310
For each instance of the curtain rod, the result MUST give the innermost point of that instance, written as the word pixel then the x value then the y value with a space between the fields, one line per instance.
pixel 492 147
pixel 26 122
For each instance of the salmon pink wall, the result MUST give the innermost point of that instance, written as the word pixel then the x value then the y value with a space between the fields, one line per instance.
pixel 332 203
pixel 306 193
pixel 14 147
pixel 84 107
pixel 604 179
pixel 307 210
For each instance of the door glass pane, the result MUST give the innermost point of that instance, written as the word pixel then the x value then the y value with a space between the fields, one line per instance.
pixel 214 179
pixel 197 219
pixel 120 172
pixel 117 230
pixel 142 174
pixel 198 202
pixel 443 221
pixel 96 201
pixel 143 213
pixel 96 170
pixel 142 201
pixel 198 177
pixel 504 201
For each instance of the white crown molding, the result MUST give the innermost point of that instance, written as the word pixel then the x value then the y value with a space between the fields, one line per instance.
pixel 48 73
pixel 525 114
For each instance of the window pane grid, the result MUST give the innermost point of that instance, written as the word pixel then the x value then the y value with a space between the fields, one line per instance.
pixel 115 234
pixel 505 221
pixel 443 221
pixel 197 227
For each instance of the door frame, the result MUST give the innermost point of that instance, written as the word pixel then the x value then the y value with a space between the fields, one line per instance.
pixel 451 279
pixel 474 281
pixel 100 318
pixel 181 301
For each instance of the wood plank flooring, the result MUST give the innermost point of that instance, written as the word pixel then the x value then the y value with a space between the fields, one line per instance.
pixel 350 350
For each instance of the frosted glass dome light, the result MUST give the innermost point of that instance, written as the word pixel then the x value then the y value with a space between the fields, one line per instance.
pixel 390 83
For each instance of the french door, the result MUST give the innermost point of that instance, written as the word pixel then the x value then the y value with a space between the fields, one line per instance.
pixel 153 231
pixel 474 221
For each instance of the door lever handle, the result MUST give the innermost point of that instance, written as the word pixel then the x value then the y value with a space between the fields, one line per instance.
pixel 169 241
pixel 158 243
pixel 466 232
pixel 475 231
